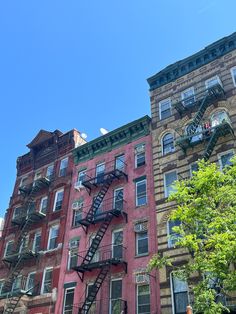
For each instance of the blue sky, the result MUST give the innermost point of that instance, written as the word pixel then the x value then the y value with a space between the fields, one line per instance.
pixel 84 64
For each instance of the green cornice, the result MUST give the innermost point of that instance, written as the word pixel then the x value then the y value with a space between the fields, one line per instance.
pixel 187 65
pixel 119 137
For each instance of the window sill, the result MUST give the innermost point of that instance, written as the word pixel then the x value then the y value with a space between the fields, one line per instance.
pixel 141 255
pixel 140 167
pixel 141 206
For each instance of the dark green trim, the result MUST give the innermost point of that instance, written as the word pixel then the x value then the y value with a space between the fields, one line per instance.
pixel 119 137
pixel 140 179
pixel 70 285
pixel 197 60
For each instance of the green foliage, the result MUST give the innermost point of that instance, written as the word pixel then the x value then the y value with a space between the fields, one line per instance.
pixel 206 207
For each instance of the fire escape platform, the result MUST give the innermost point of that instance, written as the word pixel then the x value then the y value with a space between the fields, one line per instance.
pixel 34 217
pixel 26 255
pixel 95 265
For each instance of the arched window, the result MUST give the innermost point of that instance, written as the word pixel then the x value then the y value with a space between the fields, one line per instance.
pixel 219 117
pixel 173 236
pixel 167 144
pixel 197 135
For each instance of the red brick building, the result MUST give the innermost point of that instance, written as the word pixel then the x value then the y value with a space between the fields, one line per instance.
pixel 33 234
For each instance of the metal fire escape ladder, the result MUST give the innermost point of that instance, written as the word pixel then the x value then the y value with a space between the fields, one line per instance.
pixel 94 290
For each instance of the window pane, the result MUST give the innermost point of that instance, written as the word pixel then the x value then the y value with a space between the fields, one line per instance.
pixel 116 289
pixel 118 199
pixel 170 178
pixel 142 243
pixel 143 299
pixel 119 163
pixel 47 286
pixel 141 193
pixel 225 159
pixel 165 109
pixel 168 143
pixel 69 300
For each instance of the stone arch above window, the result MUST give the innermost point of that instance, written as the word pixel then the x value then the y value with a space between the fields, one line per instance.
pixel 219 117
pixel 167 143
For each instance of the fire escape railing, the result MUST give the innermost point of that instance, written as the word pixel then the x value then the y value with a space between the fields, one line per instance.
pixel 101 307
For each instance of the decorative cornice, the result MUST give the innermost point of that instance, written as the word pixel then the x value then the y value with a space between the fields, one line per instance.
pixel 197 60
pixel 119 137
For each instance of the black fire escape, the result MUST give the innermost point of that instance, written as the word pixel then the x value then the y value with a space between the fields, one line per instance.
pixel 16 285
pixel 104 257
pixel 198 131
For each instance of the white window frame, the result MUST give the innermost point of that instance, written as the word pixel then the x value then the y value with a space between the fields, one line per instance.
pixel 136 194
pixel 49 236
pixel 41 204
pixel 162 144
pixel 216 77
pixel 222 154
pixel 1 285
pixel 137 234
pixel 81 173
pixel 172 292
pixel 165 187
pixel 49 167
pixel 55 199
pixel 28 278
pixel 44 274
pixel 160 105
pixel 64 301
pixel 122 160
pixel 113 240
pixel 61 163
pixel 110 299
pixel 186 98
pixel 14 212
pixel 37 233
pixel 170 244
pixel 37 175
pixel 5 251
pixel 21 182
pixel 140 153
pixel 137 294
pixel 114 193
pixel 69 253
pixel 233 76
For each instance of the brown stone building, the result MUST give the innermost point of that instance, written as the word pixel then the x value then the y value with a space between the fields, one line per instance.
pixel 193 103
pixel 31 246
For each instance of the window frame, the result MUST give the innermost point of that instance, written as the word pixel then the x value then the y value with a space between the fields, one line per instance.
pixel 6 247
pixel 136 194
pixel 43 280
pixel 223 154
pixel 187 98
pixel 137 297
pixel 232 70
pixel 64 300
pixel 110 292
pixel 28 279
pixel 160 110
pixel 57 227
pixel 48 175
pixel 165 187
pixel 69 267
pixel 137 154
pixel 119 200
pixel 137 234
pixel 113 241
pixel 173 293
pixel 37 233
pixel 117 160
pixel 210 79
pixel 169 234
pixel 191 168
pixel 55 200
pixel 41 203
pixel 62 170
pixel 79 181
pixel 162 144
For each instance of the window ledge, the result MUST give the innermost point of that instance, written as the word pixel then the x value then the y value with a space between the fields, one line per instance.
pixel 141 255
pixel 141 206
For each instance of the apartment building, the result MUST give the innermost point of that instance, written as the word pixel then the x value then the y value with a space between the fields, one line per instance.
pixel 193 104
pixel 111 228
pixel 33 233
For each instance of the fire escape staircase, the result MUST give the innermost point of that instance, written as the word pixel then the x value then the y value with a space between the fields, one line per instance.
pixel 94 290
pixel 16 263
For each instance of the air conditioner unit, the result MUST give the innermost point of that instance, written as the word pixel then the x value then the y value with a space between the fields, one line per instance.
pixel 140 227
pixel 142 278
pixel 78 186
pixel 77 205
pixel 140 149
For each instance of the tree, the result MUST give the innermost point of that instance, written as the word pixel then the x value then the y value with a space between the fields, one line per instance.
pixel 206 207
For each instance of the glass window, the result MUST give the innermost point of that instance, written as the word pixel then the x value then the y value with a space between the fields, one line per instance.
pixel 197 135
pixel 141 243
pixel 58 200
pixel 100 171
pixel 115 296
pixel 180 294
pixel 73 253
pixel 90 289
pixel 49 173
pixel 141 192
pixel 117 244
pixel 37 242
pixel 63 167
pixel 81 177
pixel 165 109
pixel 30 283
pixel 43 205
pixel 47 281
pixel 1 286
pixel 219 118
pixel 52 239
pixel 120 162
pixel 118 200
pixel 68 301
pixel 17 283
pixel 193 168
pixel 140 155
pixel 9 248
pixel 188 97
pixel 169 179
pixel 172 235
pixel 168 144
pixel 233 73
pixel 225 159
pixel 143 299
pixel 18 212
pixel 77 216
pixel 212 81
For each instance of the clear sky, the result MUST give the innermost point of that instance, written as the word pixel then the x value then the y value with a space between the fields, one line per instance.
pixel 84 64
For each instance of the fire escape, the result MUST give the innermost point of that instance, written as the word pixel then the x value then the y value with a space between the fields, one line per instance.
pixel 104 257
pixel 16 285
pixel 197 131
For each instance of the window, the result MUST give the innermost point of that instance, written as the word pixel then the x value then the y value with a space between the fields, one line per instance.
pixel 77 207
pixel 17 283
pixel 197 135
pixel 169 179
pixel 37 175
pixel 167 144
pixel 31 208
pixel 165 108
pixel 219 118
pixel 115 296
pixel 81 177
pixel 141 243
pixel 141 192
pixel 173 236
pixel 143 299
pixel 63 167
pixel 118 201
pixel 179 294
pixel 91 289
pixel 225 159
pixel 1 287
pixel 23 183
pixel 96 255
pixel 193 168
pixel 47 281
pixel 49 173
pixel 73 253
pixel 233 73
pixel 212 81
pixel 30 283
pixel 52 239
pixel 100 171
pixel 68 301
pixel 9 249
pixel 120 162
pixel 139 155
pixel 58 200
pixel 188 97
pixel 24 244
pixel 37 242
pixel 117 244
pixel 18 213
pixel 43 205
